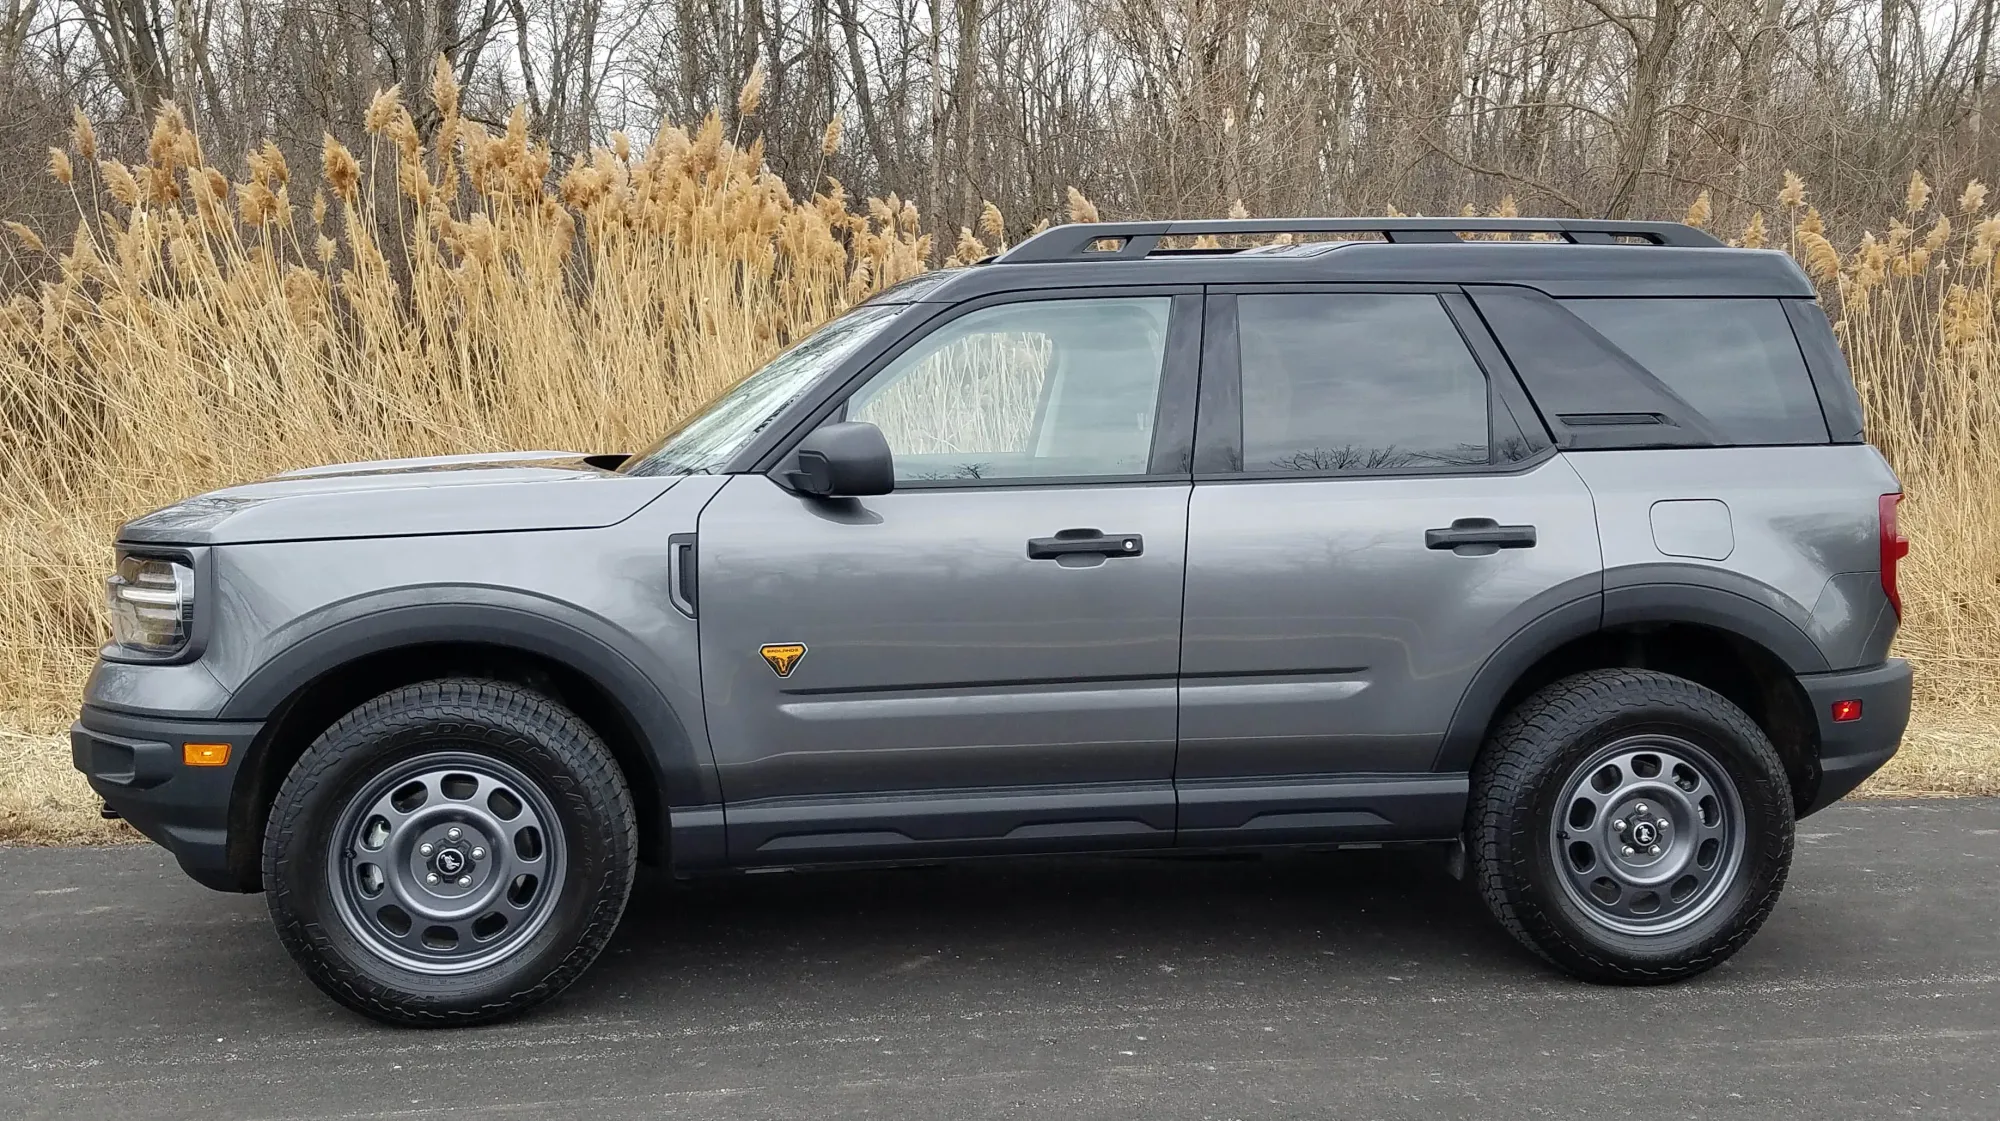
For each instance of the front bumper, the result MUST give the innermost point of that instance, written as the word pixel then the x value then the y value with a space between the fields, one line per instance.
pixel 1850 751
pixel 134 764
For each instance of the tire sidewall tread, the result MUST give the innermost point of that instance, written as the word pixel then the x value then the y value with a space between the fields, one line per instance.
pixel 525 729
pixel 1520 774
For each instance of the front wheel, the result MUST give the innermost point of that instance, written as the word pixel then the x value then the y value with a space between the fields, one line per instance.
pixel 451 852
pixel 1630 826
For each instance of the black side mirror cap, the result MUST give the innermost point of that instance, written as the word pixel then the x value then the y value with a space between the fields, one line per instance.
pixel 846 460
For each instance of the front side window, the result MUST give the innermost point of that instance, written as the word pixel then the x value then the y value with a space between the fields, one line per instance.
pixel 708 440
pixel 1357 383
pixel 1040 389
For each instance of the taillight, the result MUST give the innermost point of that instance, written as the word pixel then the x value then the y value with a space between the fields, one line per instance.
pixel 1895 547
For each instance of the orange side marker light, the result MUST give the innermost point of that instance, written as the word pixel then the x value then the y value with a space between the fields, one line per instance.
pixel 205 754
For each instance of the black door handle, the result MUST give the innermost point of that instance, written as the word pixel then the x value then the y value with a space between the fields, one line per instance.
pixel 1478 537
pixel 1072 542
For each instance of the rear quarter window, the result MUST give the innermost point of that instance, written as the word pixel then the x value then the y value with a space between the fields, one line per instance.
pixel 1735 361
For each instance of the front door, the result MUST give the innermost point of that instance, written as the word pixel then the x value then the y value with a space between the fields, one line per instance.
pixel 985 659
pixel 1375 510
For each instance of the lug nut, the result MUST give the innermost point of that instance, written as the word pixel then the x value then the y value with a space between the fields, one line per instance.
pixel 1663 823
pixel 465 880
pixel 425 848
pixel 1628 850
pixel 1641 807
pixel 452 833
pixel 1655 851
pixel 432 878
pixel 478 854
pixel 1619 825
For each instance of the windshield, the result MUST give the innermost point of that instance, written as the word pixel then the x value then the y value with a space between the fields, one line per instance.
pixel 709 439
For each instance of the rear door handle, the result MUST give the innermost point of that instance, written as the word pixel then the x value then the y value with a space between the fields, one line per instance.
pixel 1477 537
pixel 1072 542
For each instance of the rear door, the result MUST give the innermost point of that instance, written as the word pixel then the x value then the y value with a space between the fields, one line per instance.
pixel 983 660
pixel 1375 509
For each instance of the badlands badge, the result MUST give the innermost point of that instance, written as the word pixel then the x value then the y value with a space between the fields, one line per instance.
pixel 783 656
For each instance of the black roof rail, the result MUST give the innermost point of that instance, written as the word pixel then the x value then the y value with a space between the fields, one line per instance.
pixel 1131 241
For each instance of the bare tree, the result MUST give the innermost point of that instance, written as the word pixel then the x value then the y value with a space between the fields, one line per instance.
pixel 1148 106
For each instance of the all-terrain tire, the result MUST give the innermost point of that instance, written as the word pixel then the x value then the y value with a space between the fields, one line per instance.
pixel 1516 842
pixel 546 755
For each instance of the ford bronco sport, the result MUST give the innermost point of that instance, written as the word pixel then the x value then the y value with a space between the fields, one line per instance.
pixel 1563 549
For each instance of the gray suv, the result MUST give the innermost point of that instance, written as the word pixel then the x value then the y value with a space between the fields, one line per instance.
pixel 1563 551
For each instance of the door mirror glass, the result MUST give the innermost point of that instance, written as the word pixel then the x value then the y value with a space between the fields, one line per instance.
pixel 846 460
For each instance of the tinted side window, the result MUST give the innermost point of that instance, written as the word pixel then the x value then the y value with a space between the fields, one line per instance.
pixel 1340 382
pixel 1040 389
pixel 1736 361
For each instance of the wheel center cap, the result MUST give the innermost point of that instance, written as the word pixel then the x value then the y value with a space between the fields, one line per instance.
pixel 450 862
pixel 1645 834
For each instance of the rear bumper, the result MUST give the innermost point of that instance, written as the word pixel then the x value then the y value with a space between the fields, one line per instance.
pixel 1850 751
pixel 134 764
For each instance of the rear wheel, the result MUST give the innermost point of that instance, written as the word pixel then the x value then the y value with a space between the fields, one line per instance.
pixel 451 852
pixel 1630 826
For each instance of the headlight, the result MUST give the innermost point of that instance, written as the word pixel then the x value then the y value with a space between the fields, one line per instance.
pixel 152 604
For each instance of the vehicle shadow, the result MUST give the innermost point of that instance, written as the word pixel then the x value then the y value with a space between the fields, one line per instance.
pixel 1019 922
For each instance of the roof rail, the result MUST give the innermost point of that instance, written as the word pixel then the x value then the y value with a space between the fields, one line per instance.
pixel 1129 241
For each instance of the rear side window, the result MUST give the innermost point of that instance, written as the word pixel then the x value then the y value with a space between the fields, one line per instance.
pixel 1357 383
pixel 1735 361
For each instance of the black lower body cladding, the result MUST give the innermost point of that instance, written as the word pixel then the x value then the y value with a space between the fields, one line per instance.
pixel 135 764
pixel 1852 749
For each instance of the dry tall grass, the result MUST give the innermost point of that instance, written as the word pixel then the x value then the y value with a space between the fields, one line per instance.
pixel 201 331
pixel 1915 309
pixel 197 331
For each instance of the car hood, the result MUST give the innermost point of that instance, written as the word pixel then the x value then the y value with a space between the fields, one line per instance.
pixel 407 497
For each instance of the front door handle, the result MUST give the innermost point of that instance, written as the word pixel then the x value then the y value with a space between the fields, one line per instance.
pixel 1478 537
pixel 1073 542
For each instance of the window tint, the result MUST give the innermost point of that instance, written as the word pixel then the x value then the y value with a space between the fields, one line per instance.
pixel 1042 389
pixel 1597 394
pixel 1735 361
pixel 1514 442
pixel 1357 383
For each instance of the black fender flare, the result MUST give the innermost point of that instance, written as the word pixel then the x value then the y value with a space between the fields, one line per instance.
pixel 1718 598
pixel 1647 594
pixel 349 631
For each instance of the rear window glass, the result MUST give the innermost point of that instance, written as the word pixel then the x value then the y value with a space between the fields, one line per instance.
pixel 1735 361
pixel 1363 383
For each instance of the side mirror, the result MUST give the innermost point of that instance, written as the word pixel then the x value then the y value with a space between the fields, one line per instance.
pixel 846 460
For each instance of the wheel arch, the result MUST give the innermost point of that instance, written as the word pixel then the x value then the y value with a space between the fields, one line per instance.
pixel 1744 648
pixel 325 674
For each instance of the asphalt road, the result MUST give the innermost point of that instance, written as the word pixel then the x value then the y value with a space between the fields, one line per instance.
pixel 1356 985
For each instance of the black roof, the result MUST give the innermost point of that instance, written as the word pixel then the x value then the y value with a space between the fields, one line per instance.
pixel 1571 257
